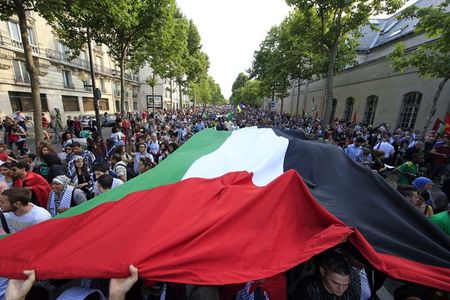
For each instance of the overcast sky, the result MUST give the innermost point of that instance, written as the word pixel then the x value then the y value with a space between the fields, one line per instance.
pixel 231 31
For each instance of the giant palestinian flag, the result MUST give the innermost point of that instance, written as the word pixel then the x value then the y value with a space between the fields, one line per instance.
pixel 233 207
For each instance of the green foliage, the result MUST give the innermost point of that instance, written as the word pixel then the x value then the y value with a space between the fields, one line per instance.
pixel 206 91
pixel 270 65
pixel 251 93
pixel 238 83
pixel 432 59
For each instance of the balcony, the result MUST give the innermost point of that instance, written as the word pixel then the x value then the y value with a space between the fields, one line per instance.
pixel 8 41
pixel 64 57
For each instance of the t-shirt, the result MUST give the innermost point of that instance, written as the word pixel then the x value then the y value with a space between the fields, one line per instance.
pixel 34 216
pixel 442 220
pixel 116 182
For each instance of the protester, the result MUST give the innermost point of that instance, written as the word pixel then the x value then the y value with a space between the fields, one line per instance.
pixel 332 282
pixel 20 213
pixel 38 185
pixel 63 196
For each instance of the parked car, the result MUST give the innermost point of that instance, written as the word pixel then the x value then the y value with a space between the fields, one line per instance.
pixel 110 120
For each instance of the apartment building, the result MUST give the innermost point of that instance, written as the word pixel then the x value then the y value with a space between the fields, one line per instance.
pixel 64 81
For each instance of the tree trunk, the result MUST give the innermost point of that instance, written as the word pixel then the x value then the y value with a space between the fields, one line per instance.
pixel 437 94
pixel 153 97
pixel 32 71
pixel 328 93
pixel 298 96
pixel 180 93
pixel 171 94
pixel 122 88
pixel 282 104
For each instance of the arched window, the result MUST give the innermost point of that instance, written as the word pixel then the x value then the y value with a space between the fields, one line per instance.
pixel 333 110
pixel 371 108
pixel 408 114
pixel 348 109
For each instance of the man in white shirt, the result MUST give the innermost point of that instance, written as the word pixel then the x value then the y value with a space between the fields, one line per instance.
pixel 19 212
pixel 101 168
pixel 387 148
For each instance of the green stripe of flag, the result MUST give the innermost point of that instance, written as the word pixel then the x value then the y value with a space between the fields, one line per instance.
pixel 169 171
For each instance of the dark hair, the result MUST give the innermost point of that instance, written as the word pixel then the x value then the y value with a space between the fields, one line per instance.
pixel 360 140
pixel 200 292
pixel 100 166
pixel 406 190
pixel 51 159
pixel 21 165
pixel 116 156
pixel 6 165
pixel 105 181
pixel 335 262
pixel 74 144
pixel 23 195
pixel 147 162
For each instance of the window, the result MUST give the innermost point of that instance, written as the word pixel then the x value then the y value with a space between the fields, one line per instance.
pixel 62 48
pixel 70 103
pixel 102 85
pixel 20 72
pixel 67 77
pixel 31 36
pixel 14 31
pixel 103 104
pixel 22 101
pixel 88 104
pixel 87 85
pixel 348 109
pixel 117 105
pixel 127 107
pixel 135 105
pixel 408 114
pixel 371 107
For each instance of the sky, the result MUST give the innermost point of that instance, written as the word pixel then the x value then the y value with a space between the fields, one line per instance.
pixel 231 30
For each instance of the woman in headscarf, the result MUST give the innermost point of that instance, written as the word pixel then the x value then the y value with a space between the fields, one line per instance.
pixel 81 179
pixel 63 196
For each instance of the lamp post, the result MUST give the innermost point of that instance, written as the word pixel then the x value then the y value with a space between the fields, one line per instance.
pixel 96 92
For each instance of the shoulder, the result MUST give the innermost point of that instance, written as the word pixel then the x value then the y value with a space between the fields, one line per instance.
pixel 308 288
pixel 40 213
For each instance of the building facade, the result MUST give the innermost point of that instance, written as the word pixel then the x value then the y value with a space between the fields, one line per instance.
pixel 167 93
pixel 60 76
pixel 371 91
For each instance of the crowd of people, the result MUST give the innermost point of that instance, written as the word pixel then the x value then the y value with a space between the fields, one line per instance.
pixel 70 167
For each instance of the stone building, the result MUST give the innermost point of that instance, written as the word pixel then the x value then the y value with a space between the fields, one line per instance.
pixel 162 91
pixel 371 91
pixel 61 78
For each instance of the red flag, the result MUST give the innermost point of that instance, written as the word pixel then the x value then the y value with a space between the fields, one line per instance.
pixel 447 124
pixel 436 124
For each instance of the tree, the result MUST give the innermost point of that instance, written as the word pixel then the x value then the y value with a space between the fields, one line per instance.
pixel 270 67
pixel 238 83
pixel 9 8
pixel 125 26
pixel 432 59
pixel 251 93
pixel 340 21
